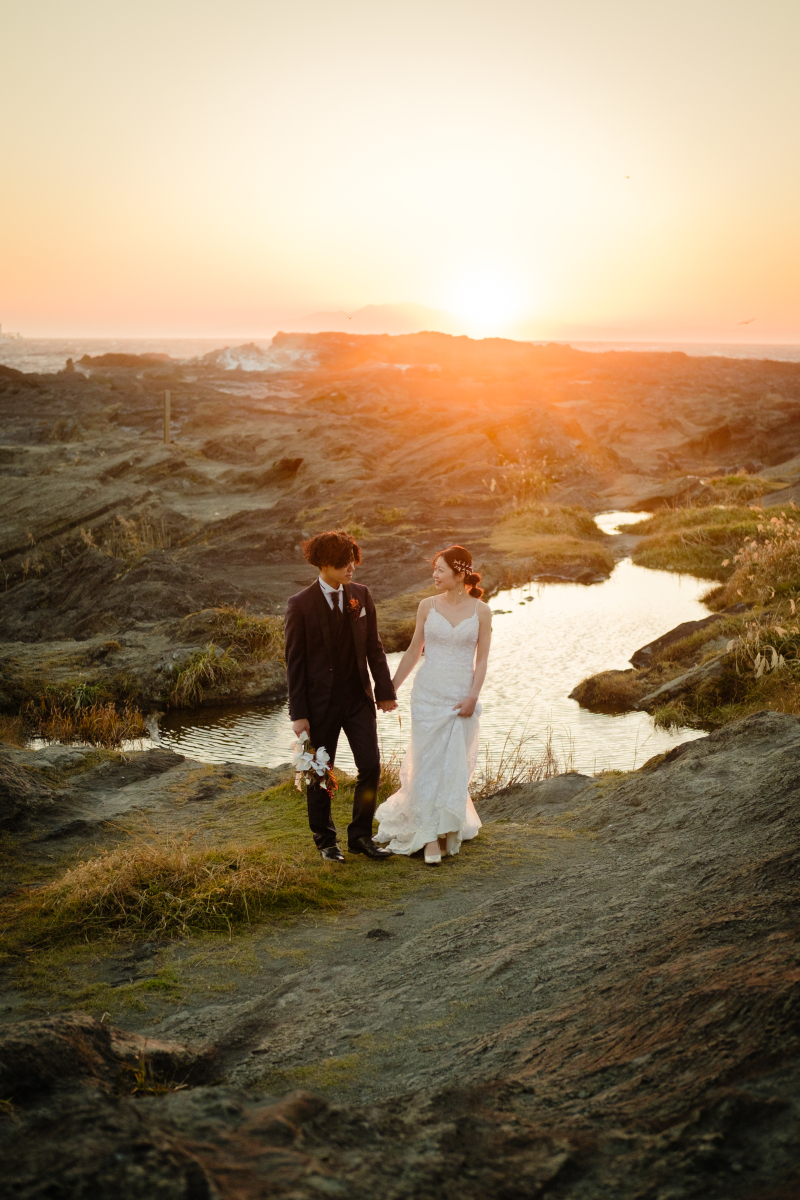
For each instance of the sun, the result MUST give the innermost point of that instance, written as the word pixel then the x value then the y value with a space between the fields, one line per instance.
pixel 487 302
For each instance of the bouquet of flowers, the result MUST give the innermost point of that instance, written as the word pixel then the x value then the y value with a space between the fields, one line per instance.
pixel 310 764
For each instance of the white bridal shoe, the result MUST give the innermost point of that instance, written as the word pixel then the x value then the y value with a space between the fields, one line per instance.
pixel 433 859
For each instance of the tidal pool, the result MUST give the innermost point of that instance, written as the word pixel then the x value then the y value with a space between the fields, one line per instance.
pixel 547 637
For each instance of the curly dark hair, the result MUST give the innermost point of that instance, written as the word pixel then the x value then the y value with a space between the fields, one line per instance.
pixel 332 549
pixel 460 560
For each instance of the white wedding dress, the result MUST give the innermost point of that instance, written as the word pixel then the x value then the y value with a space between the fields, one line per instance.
pixel 442 754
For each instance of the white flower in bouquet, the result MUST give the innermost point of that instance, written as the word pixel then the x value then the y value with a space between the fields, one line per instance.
pixel 308 763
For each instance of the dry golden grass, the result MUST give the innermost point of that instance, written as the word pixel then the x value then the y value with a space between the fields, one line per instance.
pixel 129 539
pixel 767 564
pixel 173 886
pixel 83 715
pixel 13 730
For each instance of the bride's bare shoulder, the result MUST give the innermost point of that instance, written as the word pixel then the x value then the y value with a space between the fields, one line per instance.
pixel 484 610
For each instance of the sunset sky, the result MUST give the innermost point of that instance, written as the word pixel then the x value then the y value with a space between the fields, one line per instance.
pixel 537 168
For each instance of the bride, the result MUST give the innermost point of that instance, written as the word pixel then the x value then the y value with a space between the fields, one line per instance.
pixel 433 809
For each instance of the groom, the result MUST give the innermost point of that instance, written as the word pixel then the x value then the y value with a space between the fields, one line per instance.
pixel 331 636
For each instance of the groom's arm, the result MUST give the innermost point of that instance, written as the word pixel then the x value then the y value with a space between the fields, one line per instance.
pixel 376 655
pixel 295 658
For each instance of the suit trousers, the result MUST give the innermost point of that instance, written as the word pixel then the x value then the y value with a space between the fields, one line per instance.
pixel 354 715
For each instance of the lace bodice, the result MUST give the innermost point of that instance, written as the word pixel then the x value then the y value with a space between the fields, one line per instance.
pixel 449 654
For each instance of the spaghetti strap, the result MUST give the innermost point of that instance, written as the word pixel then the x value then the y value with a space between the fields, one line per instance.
pixel 433 604
pixel 476 608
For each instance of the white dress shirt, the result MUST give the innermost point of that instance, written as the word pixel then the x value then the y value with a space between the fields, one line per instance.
pixel 329 592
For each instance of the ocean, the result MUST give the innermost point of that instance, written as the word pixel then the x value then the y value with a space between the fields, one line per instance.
pixel 50 354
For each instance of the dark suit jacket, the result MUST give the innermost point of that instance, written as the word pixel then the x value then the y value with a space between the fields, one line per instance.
pixel 309 650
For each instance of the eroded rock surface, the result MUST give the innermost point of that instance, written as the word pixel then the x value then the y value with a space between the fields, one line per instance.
pixel 615 1017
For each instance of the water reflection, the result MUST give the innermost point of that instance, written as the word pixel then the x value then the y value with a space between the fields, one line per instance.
pixel 547 637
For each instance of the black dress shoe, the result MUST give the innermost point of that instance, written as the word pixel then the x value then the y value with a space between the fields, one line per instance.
pixel 332 854
pixel 365 845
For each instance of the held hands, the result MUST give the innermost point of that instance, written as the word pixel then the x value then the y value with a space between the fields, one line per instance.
pixel 466 707
pixel 386 705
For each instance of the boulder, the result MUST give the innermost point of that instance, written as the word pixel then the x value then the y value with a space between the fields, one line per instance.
pixel 42 1056
pixel 696 678
pixel 644 657
pixel 526 801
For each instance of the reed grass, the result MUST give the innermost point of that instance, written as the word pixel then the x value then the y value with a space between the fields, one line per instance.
pixel 523 758
pixel 521 484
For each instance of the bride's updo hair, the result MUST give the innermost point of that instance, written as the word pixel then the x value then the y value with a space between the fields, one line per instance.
pixel 458 559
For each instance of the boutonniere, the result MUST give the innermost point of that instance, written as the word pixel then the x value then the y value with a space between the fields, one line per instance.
pixel 353 609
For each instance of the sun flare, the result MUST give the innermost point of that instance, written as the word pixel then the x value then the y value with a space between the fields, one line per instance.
pixel 488 302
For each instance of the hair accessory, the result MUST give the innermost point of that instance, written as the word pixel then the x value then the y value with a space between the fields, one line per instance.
pixel 460 565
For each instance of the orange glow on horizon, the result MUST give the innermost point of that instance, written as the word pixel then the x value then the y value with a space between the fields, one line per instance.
pixel 537 171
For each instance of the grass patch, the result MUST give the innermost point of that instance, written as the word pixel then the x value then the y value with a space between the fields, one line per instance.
pixel 206 668
pixel 552 537
pixel 259 638
pixel 696 541
pixel 389 515
pixel 762 670
pixel 255 862
pixel 735 490
pixel 611 691
pixel 170 887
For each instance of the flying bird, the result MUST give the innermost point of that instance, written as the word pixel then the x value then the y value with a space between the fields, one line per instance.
pixel 749 321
